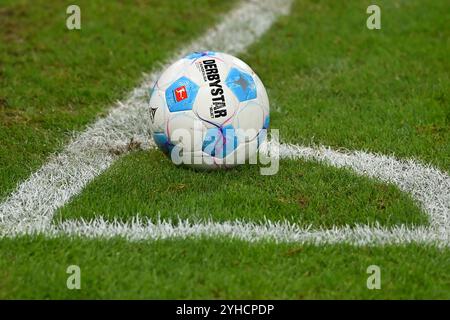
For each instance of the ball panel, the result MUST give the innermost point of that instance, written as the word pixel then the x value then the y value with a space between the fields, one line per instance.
pixel 163 142
pixel 207 70
pixel 203 108
pixel 241 84
pixel 158 111
pixel 262 97
pixel 266 122
pixel 172 73
pixel 248 120
pixel 241 154
pixel 216 110
pixel 220 142
pixel 180 95
pixel 185 130
pixel 205 161
pixel 236 62
pixel 199 54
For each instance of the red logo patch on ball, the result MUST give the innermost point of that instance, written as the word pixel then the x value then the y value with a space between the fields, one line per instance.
pixel 180 93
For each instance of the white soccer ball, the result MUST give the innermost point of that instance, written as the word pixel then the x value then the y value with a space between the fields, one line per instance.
pixel 209 110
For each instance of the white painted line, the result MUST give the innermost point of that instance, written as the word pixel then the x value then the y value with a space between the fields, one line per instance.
pixel 30 208
pixel 32 205
pixel 429 186
pixel 145 229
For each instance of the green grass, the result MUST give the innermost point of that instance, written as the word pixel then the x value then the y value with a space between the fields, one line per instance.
pixel 330 81
pixel 54 81
pixel 345 90
pixel 147 183
pixel 218 269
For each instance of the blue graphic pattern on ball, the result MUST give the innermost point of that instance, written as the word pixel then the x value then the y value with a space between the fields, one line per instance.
pixel 162 141
pixel 185 103
pixel 199 54
pixel 242 84
pixel 262 134
pixel 266 122
pixel 220 142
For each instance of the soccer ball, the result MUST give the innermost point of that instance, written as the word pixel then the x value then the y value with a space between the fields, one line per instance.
pixel 209 110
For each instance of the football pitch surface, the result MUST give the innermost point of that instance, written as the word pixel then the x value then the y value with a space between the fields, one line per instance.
pixel 82 184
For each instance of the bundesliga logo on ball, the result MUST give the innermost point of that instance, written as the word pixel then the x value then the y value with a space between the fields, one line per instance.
pixel 209 110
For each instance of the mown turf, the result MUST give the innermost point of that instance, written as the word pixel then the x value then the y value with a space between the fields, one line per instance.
pixel 330 81
pixel 148 184
pixel 346 89
pixel 218 269
pixel 54 81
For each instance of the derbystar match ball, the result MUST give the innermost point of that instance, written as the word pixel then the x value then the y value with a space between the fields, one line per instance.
pixel 209 110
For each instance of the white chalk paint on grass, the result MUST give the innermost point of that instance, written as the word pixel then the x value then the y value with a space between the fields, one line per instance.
pixel 427 185
pixel 32 205
pixel 141 229
pixel 30 209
